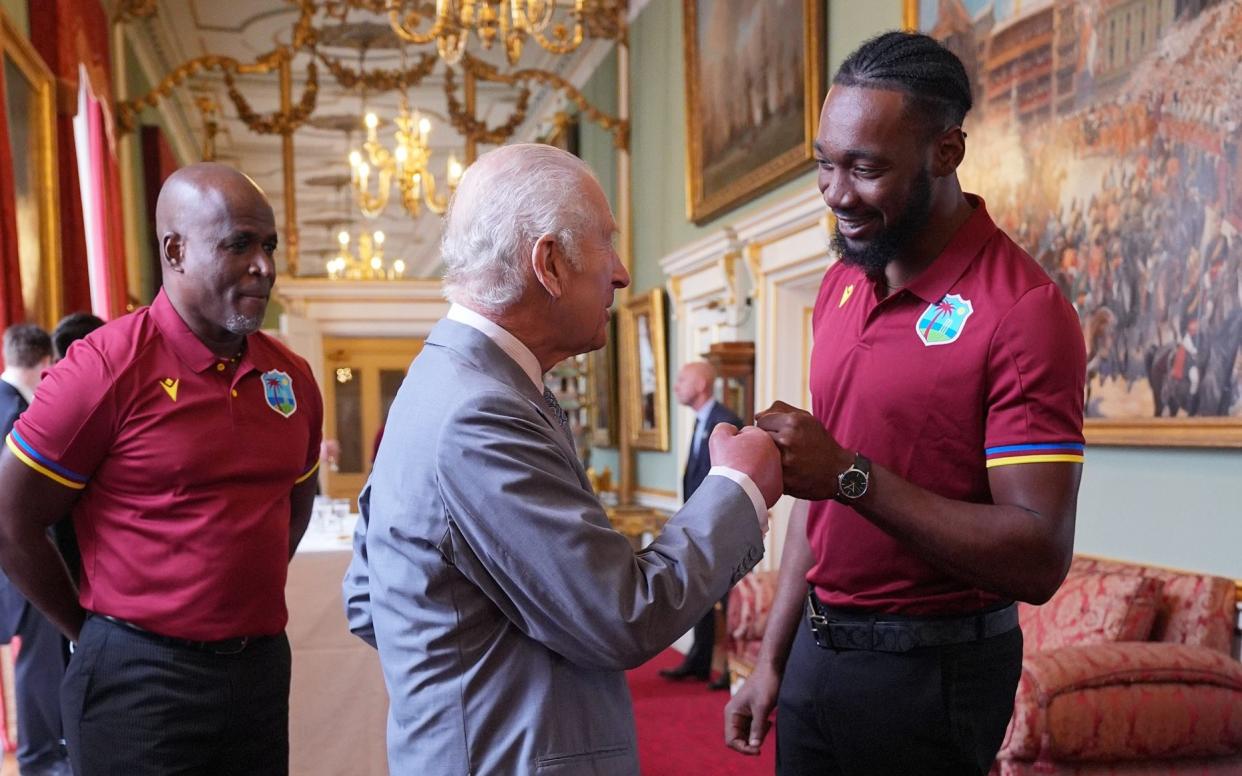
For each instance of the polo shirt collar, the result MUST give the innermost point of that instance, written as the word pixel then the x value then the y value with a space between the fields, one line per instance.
pixel 177 335
pixel 941 274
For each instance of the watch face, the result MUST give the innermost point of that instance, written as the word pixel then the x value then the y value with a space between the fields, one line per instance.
pixel 853 483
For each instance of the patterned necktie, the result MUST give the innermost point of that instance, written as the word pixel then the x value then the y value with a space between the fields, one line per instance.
pixel 558 412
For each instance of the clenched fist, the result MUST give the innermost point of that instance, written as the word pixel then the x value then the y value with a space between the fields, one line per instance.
pixel 810 458
pixel 750 451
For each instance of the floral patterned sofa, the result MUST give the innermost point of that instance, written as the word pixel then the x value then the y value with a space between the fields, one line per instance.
pixel 750 601
pixel 1128 670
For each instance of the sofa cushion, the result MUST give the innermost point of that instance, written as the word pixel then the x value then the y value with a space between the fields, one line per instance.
pixel 1092 608
pixel 1126 701
pixel 1196 609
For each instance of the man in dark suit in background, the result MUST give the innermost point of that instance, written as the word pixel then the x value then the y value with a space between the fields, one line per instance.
pixel 72 328
pixel 693 388
pixel 27 352
pixel 40 662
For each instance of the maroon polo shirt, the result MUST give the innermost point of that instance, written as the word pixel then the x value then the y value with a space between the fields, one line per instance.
pixel 978 363
pixel 186 463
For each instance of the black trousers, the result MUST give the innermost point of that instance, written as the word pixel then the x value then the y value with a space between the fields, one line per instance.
pixel 929 711
pixel 134 706
pixel 699 656
pixel 38 671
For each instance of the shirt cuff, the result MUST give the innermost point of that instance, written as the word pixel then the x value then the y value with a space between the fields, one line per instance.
pixel 752 490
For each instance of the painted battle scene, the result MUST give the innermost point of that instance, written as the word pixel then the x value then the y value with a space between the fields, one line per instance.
pixel 1105 139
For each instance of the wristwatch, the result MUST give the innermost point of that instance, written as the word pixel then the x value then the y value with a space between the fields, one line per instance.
pixel 852 483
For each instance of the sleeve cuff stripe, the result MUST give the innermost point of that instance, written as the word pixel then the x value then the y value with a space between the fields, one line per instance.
pixel 308 474
pixel 40 468
pixel 1076 446
pixel 46 462
pixel 994 462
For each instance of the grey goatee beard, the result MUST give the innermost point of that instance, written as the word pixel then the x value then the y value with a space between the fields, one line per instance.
pixel 243 325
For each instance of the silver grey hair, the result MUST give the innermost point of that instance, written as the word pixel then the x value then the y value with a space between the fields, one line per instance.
pixel 507 200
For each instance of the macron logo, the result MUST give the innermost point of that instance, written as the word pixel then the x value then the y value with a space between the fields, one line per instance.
pixel 170 387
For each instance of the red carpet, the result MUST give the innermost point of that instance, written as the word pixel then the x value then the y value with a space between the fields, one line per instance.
pixel 681 727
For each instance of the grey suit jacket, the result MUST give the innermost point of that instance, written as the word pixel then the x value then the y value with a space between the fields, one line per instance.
pixel 504 606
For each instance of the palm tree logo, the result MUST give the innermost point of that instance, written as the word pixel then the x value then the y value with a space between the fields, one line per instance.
pixel 942 322
pixel 278 391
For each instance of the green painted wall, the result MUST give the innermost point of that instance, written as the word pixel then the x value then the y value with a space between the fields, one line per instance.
pixel 595 143
pixel 1180 508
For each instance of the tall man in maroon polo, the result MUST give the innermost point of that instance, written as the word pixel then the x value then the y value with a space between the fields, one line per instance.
pixel 182 441
pixel 942 458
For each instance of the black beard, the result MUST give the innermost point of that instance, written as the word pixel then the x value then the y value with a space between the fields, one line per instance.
pixel 875 254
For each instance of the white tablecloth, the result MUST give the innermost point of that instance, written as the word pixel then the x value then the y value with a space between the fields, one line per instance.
pixel 337 703
pixel 321 537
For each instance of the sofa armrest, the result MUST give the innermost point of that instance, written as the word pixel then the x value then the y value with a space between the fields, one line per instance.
pixel 1126 701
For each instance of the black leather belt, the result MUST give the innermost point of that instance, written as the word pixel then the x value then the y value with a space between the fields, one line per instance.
pixel 835 629
pixel 231 646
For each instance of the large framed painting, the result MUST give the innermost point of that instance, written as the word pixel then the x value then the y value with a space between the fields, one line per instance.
pixel 754 87
pixel 602 393
pixel 1105 139
pixel 30 110
pixel 644 370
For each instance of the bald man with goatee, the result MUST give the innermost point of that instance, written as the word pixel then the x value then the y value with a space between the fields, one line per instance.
pixel 183 442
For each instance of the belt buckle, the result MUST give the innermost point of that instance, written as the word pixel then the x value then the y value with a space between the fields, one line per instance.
pixel 819 623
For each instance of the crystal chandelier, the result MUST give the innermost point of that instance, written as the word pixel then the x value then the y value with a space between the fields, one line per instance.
pixel 509 21
pixel 368 264
pixel 409 163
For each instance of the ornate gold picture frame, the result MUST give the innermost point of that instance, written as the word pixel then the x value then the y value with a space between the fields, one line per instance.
pixel 30 96
pixel 754 86
pixel 644 371
pixel 602 393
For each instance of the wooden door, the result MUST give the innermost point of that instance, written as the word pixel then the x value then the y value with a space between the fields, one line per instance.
pixel 361 379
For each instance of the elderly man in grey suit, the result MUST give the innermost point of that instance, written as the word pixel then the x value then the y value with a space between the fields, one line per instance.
pixel 504 606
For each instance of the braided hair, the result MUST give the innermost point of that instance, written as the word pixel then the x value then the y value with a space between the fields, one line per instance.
pixel 933 79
